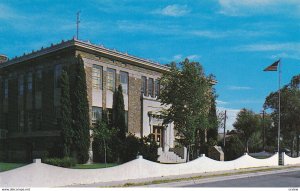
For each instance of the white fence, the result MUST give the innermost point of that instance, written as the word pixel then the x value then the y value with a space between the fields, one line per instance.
pixel 42 175
pixel 287 160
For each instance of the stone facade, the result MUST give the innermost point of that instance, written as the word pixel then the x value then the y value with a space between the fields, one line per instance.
pixel 32 117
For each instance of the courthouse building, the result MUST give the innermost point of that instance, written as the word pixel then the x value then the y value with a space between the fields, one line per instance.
pixel 30 97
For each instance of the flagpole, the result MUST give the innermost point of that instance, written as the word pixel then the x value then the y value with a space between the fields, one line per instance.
pixel 279 85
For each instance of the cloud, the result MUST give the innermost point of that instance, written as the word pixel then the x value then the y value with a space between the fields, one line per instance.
pixel 249 7
pixel 180 57
pixel 209 34
pixel 8 13
pixel 294 56
pixel 193 57
pixel 173 10
pixel 291 49
pixel 290 46
pixel 230 33
pixel 239 88
pixel 231 117
pixel 177 57
pixel 219 102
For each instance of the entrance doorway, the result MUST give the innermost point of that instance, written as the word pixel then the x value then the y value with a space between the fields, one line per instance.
pixel 158 135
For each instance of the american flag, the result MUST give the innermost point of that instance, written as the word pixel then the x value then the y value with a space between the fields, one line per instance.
pixel 272 67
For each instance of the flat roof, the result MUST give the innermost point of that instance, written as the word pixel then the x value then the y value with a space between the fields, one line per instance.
pixel 88 46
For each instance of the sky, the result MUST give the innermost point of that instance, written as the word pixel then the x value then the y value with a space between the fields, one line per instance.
pixel 232 39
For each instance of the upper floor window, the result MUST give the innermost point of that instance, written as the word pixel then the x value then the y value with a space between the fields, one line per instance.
pixel 29 82
pixel 157 87
pixel 5 88
pixel 97 77
pixel 109 116
pixel 111 79
pixel 21 120
pixel 144 85
pixel 96 114
pixel 150 87
pixel 38 80
pixel 57 75
pixel 21 85
pixel 124 81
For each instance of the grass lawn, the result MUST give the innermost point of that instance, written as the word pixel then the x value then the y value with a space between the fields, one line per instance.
pixel 94 165
pixel 9 166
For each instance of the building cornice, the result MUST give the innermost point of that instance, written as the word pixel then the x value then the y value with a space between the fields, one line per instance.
pixel 86 46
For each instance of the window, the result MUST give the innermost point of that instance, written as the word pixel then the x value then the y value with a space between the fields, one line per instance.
pixel 38 119
pixel 124 81
pixel 96 114
pixel 6 88
pixel 157 88
pixel 38 81
pixel 144 85
pixel 126 121
pixel 29 82
pixel 111 79
pixel 150 87
pixel 21 120
pixel 57 113
pixel 57 75
pixel 29 120
pixel 109 116
pixel 97 77
pixel 21 85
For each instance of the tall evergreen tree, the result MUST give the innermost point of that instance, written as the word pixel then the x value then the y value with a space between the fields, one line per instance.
pixel 119 113
pixel 66 114
pixel 80 113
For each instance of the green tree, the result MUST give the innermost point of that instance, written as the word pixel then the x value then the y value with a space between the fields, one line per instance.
pixel 234 148
pixel 246 124
pixel 134 146
pixel 118 113
pixel 187 91
pixel 66 115
pixel 103 135
pixel 212 133
pixel 269 132
pixel 80 113
pixel 290 111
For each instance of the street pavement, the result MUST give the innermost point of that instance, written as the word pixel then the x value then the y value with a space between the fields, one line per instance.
pixel 278 178
pixel 211 179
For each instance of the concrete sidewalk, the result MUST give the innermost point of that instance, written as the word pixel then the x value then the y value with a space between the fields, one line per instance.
pixel 171 181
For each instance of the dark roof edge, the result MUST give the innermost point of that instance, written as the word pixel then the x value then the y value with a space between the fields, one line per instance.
pixel 87 45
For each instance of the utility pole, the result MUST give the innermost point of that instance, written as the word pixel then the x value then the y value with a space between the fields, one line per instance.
pixel 225 116
pixel 77 24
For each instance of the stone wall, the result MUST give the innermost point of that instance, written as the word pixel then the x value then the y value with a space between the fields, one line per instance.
pixel 43 175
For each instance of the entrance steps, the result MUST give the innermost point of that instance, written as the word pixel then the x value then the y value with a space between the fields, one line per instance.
pixel 170 157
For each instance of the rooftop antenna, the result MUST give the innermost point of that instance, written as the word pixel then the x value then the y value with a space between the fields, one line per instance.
pixel 77 23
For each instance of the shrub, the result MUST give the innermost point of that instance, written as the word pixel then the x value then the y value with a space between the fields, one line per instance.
pixel 234 148
pixel 130 148
pixel 62 162
pixel 134 146
pixel 149 148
